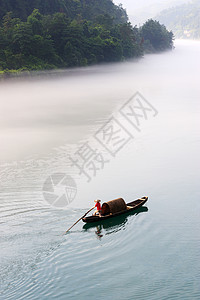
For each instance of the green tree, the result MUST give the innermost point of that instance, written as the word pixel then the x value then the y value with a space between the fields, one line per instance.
pixel 22 39
pixel 157 36
pixel 58 31
pixel 35 20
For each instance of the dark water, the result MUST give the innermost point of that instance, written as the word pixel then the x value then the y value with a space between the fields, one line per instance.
pixel 152 254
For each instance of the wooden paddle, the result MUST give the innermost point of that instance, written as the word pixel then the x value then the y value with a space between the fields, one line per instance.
pixel 79 219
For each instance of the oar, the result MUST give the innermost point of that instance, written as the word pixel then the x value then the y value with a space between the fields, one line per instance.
pixel 79 219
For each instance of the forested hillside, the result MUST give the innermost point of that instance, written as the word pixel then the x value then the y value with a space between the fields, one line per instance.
pixel 184 20
pixel 69 33
pixel 87 9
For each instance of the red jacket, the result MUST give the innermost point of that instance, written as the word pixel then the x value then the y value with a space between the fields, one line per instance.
pixel 98 205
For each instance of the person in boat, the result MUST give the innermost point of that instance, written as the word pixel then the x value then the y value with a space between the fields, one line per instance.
pixel 98 208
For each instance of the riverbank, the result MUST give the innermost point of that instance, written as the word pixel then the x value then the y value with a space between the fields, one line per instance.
pixel 56 72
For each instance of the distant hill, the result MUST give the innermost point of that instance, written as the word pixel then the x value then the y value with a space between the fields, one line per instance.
pixel 183 20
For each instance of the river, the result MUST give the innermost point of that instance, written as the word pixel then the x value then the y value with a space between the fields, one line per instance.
pixel 70 138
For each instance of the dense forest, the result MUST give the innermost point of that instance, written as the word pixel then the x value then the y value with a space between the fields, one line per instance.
pixel 88 9
pixel 47 34
pixel 183 20
pixel 156 37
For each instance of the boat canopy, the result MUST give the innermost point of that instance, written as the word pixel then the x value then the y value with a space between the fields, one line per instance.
pixel 113 206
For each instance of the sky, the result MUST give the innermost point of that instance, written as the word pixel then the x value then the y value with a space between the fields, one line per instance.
pixel 135 4
pixel 140 11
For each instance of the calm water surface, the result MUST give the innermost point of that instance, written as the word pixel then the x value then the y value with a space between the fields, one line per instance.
pixel 153 254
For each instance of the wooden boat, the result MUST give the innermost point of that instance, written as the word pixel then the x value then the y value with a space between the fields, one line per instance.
pixel 115 208
pixel 116 223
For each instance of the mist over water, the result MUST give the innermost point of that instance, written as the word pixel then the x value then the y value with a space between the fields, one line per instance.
pixel 44 120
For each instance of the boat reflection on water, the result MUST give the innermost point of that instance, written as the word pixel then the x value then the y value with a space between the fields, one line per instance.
pixel 113 225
